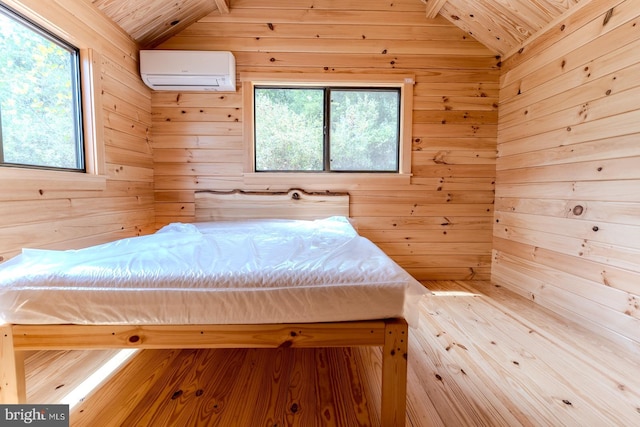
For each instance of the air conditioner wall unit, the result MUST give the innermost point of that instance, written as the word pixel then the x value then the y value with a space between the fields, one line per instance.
pixel 188 70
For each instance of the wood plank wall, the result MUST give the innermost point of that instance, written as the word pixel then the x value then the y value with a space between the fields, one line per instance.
pixel 567 221
pixel 439 225
pixel 60 213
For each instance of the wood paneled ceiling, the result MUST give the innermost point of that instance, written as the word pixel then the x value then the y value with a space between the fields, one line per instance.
pixel 151 22
pixel 501 25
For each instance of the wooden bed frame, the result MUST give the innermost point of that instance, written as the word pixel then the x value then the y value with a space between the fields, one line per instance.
pixel 390 334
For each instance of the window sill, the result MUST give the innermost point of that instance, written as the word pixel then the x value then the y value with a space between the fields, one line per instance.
pixel 328 181
pixel 25 179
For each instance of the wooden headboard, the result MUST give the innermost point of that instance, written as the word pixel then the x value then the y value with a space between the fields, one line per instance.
pixel 291 204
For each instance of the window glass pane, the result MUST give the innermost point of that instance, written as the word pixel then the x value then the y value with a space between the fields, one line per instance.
pixel 39 97
pixel 364 130
pixel 289 129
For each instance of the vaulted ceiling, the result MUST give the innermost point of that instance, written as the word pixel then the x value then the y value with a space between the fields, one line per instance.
pixel 501 25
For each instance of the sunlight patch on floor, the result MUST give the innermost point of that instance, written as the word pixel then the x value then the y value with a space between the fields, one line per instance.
pixel 95 379
pixel 454 294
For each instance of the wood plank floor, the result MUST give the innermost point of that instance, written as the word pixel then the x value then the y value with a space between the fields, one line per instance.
pixel 482 356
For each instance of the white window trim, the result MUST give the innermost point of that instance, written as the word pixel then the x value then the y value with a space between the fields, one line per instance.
pixel 403 81
pixel 95 176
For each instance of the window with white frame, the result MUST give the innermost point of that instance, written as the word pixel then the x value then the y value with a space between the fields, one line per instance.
pixel 40 98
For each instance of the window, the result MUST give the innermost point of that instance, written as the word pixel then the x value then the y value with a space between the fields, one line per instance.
pixel 338 166
pixel 40 99
pixel 326 129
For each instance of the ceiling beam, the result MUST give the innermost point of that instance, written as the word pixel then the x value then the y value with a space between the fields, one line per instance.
pixel 433 7
pixel 223 6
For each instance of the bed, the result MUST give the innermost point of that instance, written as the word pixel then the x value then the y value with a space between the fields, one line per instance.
pixel 257 269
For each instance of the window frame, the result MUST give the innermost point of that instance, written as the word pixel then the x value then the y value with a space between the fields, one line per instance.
pixel 404 82
pixel 93 177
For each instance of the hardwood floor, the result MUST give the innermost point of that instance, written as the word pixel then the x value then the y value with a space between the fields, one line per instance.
pixel 482 356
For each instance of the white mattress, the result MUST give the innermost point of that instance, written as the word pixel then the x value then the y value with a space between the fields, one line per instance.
pixel 250 272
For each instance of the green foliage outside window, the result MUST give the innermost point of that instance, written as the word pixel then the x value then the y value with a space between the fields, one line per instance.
pixel 39 103
pixel 327 129
pixel 289 128
pixel 364 130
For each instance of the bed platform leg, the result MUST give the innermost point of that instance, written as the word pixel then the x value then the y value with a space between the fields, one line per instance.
pixel 394 373
pixel 12 376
